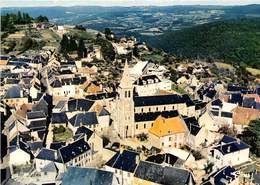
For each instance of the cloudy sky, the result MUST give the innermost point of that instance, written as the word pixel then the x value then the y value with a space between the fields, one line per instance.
pixel 12 3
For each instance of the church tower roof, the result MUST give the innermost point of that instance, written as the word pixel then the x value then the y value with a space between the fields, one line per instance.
pixel 125 80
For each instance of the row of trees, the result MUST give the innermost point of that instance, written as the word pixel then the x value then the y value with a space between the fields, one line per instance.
pixel 9 20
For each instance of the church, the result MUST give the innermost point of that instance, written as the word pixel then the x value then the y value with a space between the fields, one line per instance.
pixel 133 114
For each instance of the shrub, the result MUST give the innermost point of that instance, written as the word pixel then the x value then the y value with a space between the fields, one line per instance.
pixel 142 137
pixel 59 129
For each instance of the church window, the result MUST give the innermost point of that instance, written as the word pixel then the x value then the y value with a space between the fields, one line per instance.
pixel 142 110
pixel 144 125
pixel 164 108
pixel 136 126
pixel 129 94
pixel 172 107
pixel 127 127
pixel 149 109
pixel 156 108
pixel 125 94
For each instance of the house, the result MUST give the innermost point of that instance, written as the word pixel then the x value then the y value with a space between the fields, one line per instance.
pixel 19 154
pixel 77 153
pixel 93 139
pixel 47 156
pixel 88 119
pixel 36 120
pixel 197 135
pixel 139 69
pixel 150 84
pixel 144 121
pixel 14 97
pixel 68 87
pixel 123 165
pixel 207 120
pixel 230 152
pixel 168 132
pixel 103 116
pixel 151 173
pixel 243 116
pixel 88 176
pixel 224 176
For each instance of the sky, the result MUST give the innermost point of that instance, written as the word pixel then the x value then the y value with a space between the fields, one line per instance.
pixel 22 3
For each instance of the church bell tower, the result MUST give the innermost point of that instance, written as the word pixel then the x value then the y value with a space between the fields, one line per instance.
pixel 124 117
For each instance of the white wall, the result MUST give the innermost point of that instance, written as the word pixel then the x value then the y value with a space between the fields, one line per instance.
pixel 19 157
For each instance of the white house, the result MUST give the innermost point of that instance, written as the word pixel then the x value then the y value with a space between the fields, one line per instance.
pixel 230 152
pixel 19 154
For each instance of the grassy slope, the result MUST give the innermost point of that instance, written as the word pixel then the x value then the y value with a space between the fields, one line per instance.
pixel 234 41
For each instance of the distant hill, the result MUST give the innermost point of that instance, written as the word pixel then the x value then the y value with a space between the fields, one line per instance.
pixel 232 40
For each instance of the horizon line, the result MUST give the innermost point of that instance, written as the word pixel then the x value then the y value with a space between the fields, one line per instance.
pixel 223 5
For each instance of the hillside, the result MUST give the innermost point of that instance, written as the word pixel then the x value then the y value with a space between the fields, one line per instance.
pixel 232 40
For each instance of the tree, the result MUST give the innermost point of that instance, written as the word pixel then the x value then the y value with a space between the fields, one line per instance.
pixel 251 136
pixel 64 43
pixel 107 31
pixel 41 19
pixel 107 49
pixel 80 27
pixel 81 49
pixel 72 44
pixel 19 17
pixel 208 167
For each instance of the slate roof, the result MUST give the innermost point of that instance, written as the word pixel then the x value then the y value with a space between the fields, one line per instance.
pixel 188 100
pixel 147 79
pixel 87 176
pixel 101 96
pixel 48 154
pixel 226 114
pixel 140 101
pixel 229 145
pixel 60 117
pixel 235 88
pixel 57 145
pixel 13 92
pixel 162 175
pixel 79 105
pixel 50 167
pixel 73 81
pixel 36 115
pixel 85 131
pixel 88 118
pixel 200 105
pixel 236 98
pixel 126 161
pixel 226 174
pixel 56 84
pixel 37 124
pixel 161 158
pixel 73 150
pixel 249 102
pixel 12 81
pixel 217 102
pixel 35 145
pixel 151 116
pixel 210 93
pixel 193 125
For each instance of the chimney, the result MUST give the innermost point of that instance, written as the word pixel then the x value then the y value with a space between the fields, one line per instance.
pixel 228 150
pixel 137 159
pixel 55 155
